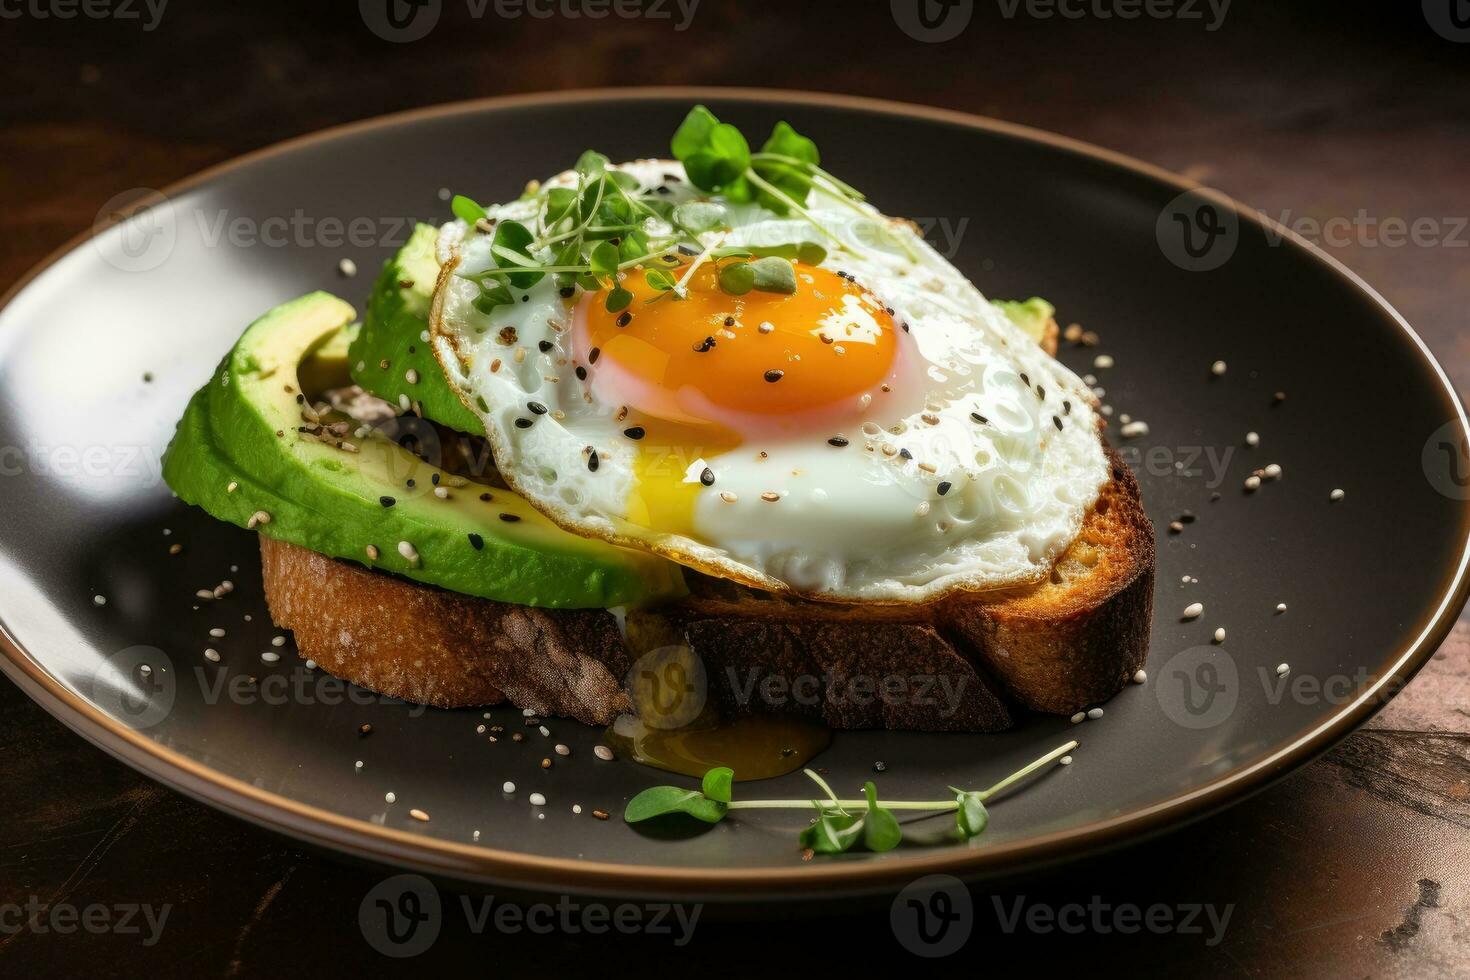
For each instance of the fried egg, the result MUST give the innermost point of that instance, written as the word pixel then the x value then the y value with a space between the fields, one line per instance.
pixel 882 434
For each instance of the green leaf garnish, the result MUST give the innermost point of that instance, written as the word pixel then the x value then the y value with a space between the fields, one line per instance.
pixel 971 817
pixel 466 210
pixel 604 259
pixel 880 826
pixel 773 275
pixel 716 784
pixel 512 248
pixel 700 216
pixel 738 278
pixel 591 164
pixel 715 155
pixel 618 299
pixel 658 801
pixel 833 833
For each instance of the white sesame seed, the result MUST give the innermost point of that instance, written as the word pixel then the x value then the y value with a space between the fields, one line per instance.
pixel 444 195
pixel 372 552
pixel 278 641
pixel 509 787
pixel 442 493
pixel 145 670
pixel 424 336
pixel 1253 483
pixel 270 656
pixel 216 632
pixel 1220 634
pixel 1281 607
pixel 409 552
pixel 1193 610
pixel 201 594
pixel 419 815
pixel 1079 717
pixel 1065 760
pixel 1094 714
pixel 1218 368
pixel 476 835
pixel 357 764
pixel 536 799
pixel 311 665
pixel 259 517
pixel 576 808
pixel 347 267
pixel 922 509
pixel 390 797
pixel 99 600
pixel 211 654
pixel 403 403
pixel 231 487
pixel 1133 429
pixel 1252 438
pixel 528 712
pixel 1272 471
pixel 563 750
pixel 1103 361
pixel 603 752
pixel 1282 668
pixel 1141 677
pixel 411 376
pixel 545 732
pixel 1337 495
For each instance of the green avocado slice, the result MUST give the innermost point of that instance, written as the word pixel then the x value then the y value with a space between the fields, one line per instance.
pixel 240 452
pixel 392 334
pixel 1032 315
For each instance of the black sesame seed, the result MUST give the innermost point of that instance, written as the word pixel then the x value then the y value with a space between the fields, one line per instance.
pixel 704 346
pixel 838 441
pixel 476 541
pixel 509 518
pixel 523 423
pixel 774 375
pixel 729 321
pixel 1187 517
pixel 412 349
pixel 544 346
pixel 624 318
pixel 567 292
pixel 592 461
pixel 634 432
pixel 387 501
pixel 300 399
pixel 581 373
pixel 1025 380
pixel 663 190
pixel 688 250
pixel 410 484
pixel 1066 408
pixel 1041 392
pixel 536 407
pixel 526 298
pixel 1056 421
pixel 707 477
pixel 943 487
pixel 593 355
pixel 977 417
pixel 434 478
pixel 888 310
pixel 880 767
pixel 905 454
pixel 905 327
pixel 486 496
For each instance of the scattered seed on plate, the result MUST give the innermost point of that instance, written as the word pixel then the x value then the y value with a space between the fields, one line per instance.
pixel 600 814
pixel 270 656
pixel 1218 368
pixel 1103 361
pixel 509 787
pixel 1065 760
pixel 419 815
pixel 390 797
pixel 536 799
pixel 357 764
pixel 216 632
pixel 1193 610
pixel 1272 471
pixel 1079 717
pixel 545 732
pixel 1220 634
pixel 278 641
pixel 1252 439
pixel 1141 676
pixel 211 654
pixel 603 752
pixel 576 808
pixel 563 750
pixel 1133 429
pixel 1282 668
pixel 1175 527
pixel 1253 483
pixel 347 267
pixel 100 600
pixel 1281 607
pixel 1094 714
pixel 1337 495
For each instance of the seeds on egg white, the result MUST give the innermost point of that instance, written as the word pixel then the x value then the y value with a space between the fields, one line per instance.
pixel 770 496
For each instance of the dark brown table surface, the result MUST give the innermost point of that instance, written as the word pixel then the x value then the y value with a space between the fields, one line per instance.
pixel 1357 865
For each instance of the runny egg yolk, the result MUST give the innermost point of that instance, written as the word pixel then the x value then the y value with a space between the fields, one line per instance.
pixel 746 361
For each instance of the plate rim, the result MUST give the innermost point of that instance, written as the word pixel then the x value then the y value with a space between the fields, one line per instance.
pixel 486 865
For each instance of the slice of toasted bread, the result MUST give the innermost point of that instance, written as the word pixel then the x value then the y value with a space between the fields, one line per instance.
pixel 957 665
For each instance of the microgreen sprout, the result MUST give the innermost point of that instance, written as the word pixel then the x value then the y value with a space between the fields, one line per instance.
pixel 602 225
pixel 839 825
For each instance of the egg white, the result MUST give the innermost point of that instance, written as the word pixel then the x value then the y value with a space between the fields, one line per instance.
pixel 860 523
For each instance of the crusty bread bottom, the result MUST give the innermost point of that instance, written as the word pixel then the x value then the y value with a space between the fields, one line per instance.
pixel 1060 646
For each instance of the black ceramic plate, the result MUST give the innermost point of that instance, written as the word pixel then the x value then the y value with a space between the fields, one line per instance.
pixel 1371 582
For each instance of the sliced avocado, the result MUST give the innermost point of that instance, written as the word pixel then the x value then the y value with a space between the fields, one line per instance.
pixel 1031 316
pixel 392 340
pixel 246 446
